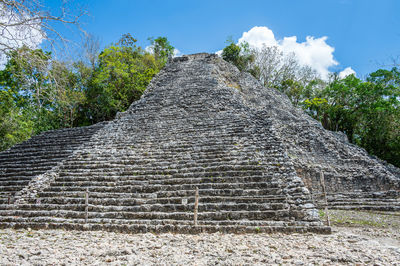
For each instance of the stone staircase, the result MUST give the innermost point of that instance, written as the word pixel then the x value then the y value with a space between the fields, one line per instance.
pixel 351 188
pixel 132 191
pixel 21 163
pixel 191 130
pixel 358 200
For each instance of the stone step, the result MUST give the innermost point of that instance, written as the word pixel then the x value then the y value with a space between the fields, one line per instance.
pixel 216 216
pixel 49 143
pixel 175 167
pixel 163 174
pixel 16 178
pixel 166 130
pixel 372 195
pixel 194 145
pixel 130 201
pixel 26 173
pixel 14 183
pixel 158 147
pixel 190 142
pixel 62 141
pixel 162 228
pixel 229 145
pixel 38 151
pixel 10 188
pixel 77 163
pixel 158 175
pixel 363 201
pixel 202 130
pixel 156 180
pixel 17 168
pixel 77 132
pixel 172 157
pixel 54 139
pixel 368 207
pixel 178 159
pixel 5 194
pixel 32 159
pixel 189 207
pixel 214 135
pixel 267 187
pixel 45 219
pixel 162 194
pixel 135 171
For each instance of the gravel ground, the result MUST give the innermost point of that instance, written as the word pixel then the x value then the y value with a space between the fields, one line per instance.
pixel 355 244
pixel 57 247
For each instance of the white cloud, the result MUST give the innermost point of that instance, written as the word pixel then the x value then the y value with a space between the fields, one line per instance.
pixel 259 36
pixel 314 52
pixel 346 72
pixel 177 53
pixel 149 48
pixel 219 52
pixel 14 36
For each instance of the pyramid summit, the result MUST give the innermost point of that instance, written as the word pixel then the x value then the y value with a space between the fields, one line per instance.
pixel 254 159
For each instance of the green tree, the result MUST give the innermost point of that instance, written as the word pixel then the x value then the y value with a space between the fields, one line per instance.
pixel 241 56
pixel 37 94
pixel 70 93
pixel 21 90
pixel 161 49
pixel 15 125
pixel 380 131
pixel 293 89
pixel 367 111
pixel 26 75
pixel 124 70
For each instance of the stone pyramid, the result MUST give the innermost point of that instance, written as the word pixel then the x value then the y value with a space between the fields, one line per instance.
pixel 201 125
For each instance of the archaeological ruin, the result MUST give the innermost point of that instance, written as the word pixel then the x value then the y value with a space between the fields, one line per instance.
pixel 203 128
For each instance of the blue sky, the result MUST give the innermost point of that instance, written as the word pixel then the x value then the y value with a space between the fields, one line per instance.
pixel 363 33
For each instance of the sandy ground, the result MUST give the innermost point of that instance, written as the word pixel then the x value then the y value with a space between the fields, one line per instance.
pixel 355 244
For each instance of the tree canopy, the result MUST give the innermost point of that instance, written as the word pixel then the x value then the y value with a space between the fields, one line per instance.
pixel 39 92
